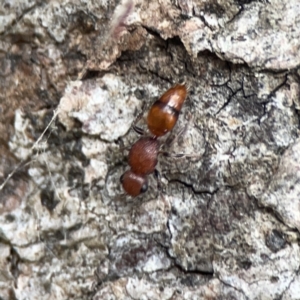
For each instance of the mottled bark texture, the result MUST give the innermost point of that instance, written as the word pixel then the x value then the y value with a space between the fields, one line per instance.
pixel 224 223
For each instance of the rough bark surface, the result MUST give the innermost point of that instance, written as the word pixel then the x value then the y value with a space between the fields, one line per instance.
pixel 225 223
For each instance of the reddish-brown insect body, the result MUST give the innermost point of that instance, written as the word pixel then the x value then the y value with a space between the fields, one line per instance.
pixel 142 159
pixel 163 114
pixel 134 184
pixel 143 156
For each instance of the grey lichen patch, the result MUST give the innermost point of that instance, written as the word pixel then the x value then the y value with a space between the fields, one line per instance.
pixel 255 33
pixel 6 264
pixel 138 288
pixel 53 221
pixel 227 209
pixel 112 290
pixel 132 253
pixel 95 151
pixel 260 267
pixel 70 261
pixel 12 10
pixel 283 191
pixel 104 107
pixel 148 217
pixel 292 292
pixel 262 36
pixel 187 142
pixel 56 22
pixel 191 232
pixel 17 188
pixel 203 223
pixel 32 253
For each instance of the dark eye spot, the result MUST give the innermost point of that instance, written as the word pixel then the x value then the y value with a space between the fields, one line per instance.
pixel 144 187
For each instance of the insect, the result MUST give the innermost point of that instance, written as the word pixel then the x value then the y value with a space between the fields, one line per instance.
pixel 143 154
